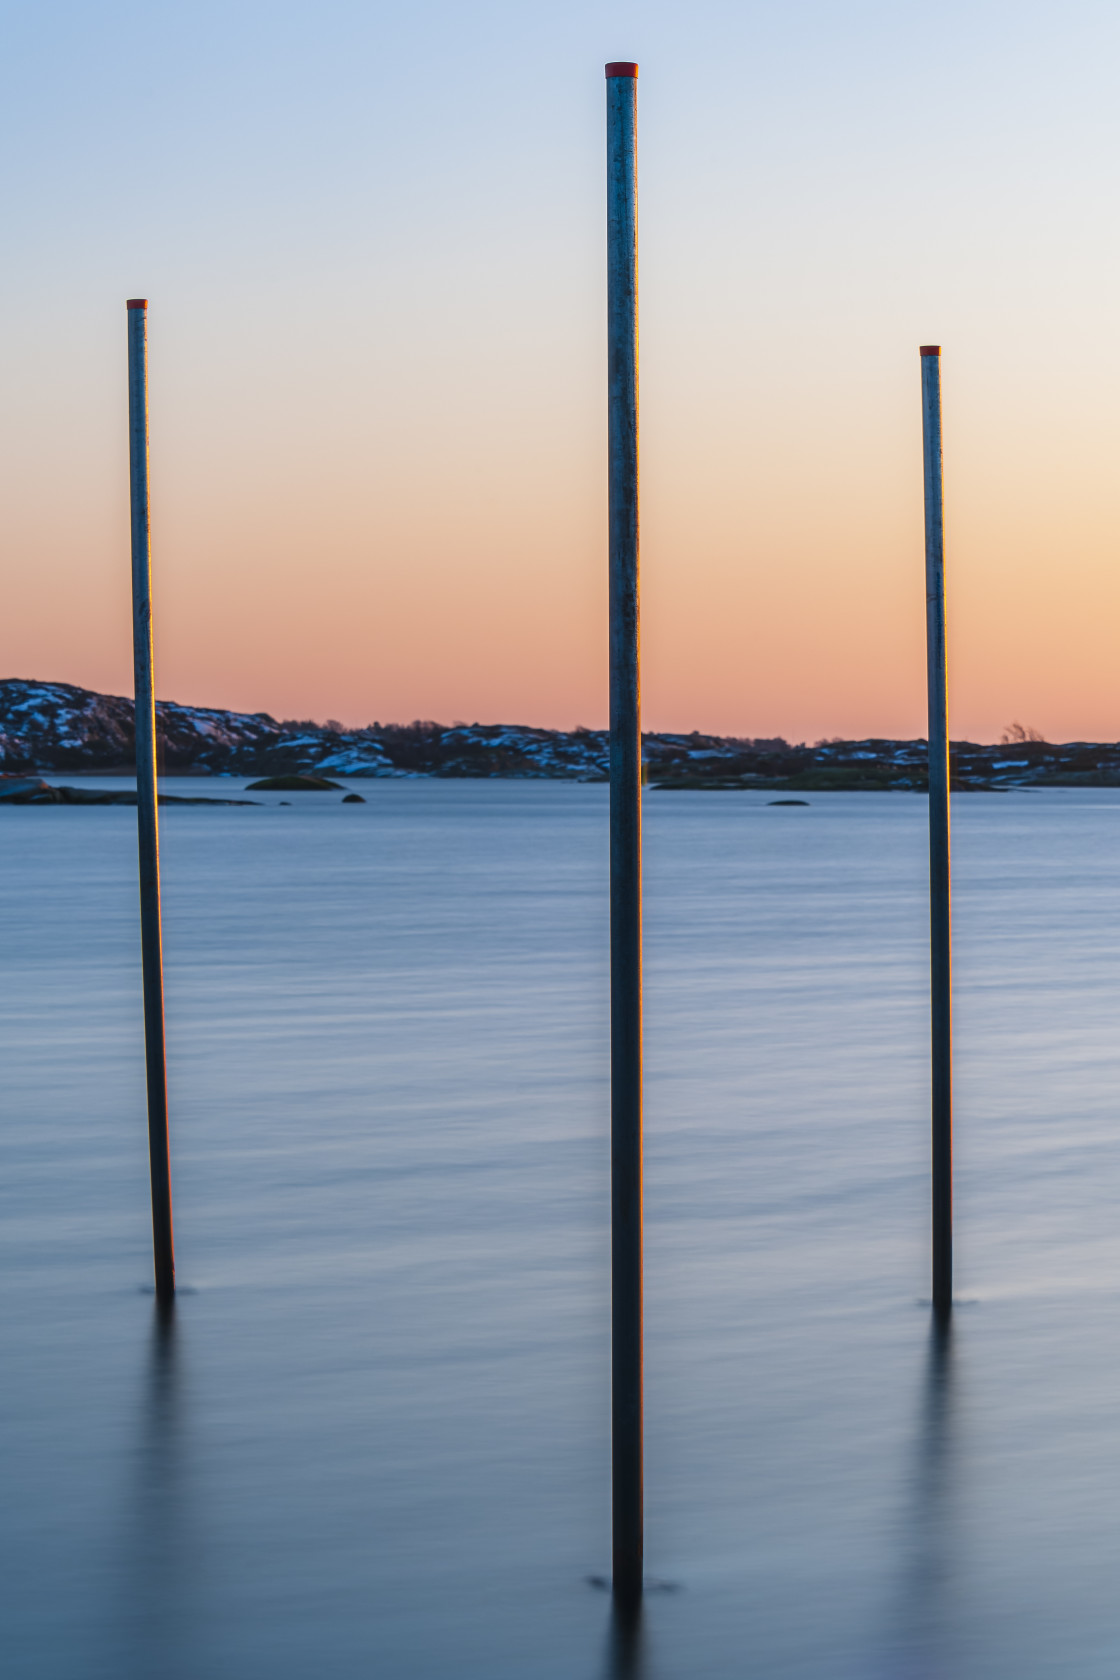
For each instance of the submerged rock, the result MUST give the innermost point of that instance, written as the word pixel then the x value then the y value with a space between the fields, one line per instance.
pixel 353 799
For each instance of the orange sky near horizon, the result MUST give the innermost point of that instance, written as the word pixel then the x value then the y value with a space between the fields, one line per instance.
pixel 378 406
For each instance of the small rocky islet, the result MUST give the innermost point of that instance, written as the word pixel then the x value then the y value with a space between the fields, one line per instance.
pixel 55 728
pixel 293 784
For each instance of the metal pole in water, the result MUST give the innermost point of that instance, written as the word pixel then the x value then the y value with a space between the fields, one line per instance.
pixel 625 835
pixel 147 811
pixel 939 871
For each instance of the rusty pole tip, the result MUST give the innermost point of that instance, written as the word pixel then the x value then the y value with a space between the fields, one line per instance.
pixel 622 69
pixel 137 303
pixel 930 350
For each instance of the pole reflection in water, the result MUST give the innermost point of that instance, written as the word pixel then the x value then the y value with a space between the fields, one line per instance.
pixel 625 1642
pixel 923 1645
pixel 157 1630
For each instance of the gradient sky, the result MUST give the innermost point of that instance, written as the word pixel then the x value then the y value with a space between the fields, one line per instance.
pixel 373 240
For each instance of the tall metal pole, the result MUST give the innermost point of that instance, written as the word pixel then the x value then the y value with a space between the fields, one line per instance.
pixel 939 872
pixel 147 811
pixel 626 833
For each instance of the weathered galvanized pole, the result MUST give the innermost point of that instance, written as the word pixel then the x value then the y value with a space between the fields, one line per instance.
pixel 626 834
pixel 147 810
pixel 939 871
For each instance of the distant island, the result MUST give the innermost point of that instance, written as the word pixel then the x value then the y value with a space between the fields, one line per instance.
pixel 49 727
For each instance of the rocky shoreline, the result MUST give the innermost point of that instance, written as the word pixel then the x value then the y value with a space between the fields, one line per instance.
pixel 48 728
pixel 33 790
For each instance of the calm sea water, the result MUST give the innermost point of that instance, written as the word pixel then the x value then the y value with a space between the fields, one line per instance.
pixel 374 1440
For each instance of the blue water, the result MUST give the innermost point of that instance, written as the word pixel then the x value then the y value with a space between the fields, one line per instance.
pixel 374 1439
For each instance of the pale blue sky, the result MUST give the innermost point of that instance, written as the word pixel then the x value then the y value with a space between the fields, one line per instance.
pixel 372 238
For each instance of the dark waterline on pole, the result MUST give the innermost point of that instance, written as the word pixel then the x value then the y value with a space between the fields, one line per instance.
pixel 147 810
pixel 626 835
pixel 939 870
pixel 624 1648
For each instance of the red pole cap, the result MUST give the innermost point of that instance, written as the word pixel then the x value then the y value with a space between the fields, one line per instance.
pixel 622 69
pixel 137 303
pixel 930 350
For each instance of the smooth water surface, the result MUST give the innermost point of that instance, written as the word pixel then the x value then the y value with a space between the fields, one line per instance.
pixel 373 1440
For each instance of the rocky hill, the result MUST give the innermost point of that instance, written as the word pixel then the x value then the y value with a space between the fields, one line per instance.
pixel 50 727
